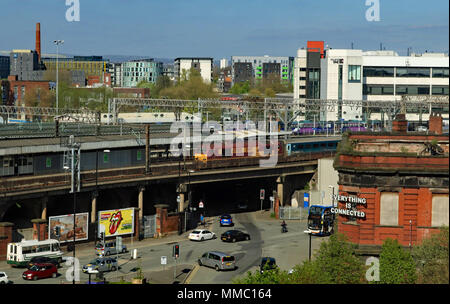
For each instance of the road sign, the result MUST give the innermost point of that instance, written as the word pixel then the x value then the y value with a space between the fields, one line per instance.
pixel 271 198
pixel 163 260
pixel 262 193
pixel 200 205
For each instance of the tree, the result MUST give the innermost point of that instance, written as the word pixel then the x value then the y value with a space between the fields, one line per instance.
pixel 272 276
pixel 396 264
pixel 432 259
pixel 336 262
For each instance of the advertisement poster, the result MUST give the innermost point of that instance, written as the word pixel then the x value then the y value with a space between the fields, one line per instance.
pixel 65 225
pixel 116 222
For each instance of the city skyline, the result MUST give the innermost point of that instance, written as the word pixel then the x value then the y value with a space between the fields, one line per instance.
pixel 203 28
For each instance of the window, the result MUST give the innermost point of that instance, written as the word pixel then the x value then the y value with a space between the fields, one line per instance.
pixel 105 157
pixel 48 162
pixel 378 89
pixel 439 90
pixel 378 71
pixel 439 210
pixel 413 72
pixel 412 90
pixel 354 73
pixel 440 72
pixel 389 209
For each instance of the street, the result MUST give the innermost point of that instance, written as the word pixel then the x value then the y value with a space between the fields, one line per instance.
pixel 288 249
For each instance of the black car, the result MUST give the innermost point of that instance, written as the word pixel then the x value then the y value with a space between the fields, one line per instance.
pixel 267 263
pixel 234 235
pixel 43 260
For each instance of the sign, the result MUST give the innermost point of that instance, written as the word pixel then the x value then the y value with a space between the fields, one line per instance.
pixel 200 205
pixel 116 222
pixel 163 260
pixel 65 227
pixel 305 200
pixel 262 193
pixel 350 202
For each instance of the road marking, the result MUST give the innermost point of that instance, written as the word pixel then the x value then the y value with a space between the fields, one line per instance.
pixel 191 274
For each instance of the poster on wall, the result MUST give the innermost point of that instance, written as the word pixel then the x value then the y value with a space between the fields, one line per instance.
pixel 63 224
pixel 116 222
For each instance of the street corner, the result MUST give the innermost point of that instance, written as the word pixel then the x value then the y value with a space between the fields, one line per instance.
pixel 171 275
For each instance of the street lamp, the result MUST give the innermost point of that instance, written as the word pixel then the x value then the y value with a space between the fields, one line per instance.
pixel 57 43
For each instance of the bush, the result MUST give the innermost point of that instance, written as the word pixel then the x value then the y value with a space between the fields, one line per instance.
pixel 396 264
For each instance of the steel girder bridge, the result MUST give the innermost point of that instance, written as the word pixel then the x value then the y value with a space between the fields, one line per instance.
pixel 287 109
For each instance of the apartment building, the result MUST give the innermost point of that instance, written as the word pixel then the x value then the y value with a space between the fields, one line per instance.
pixel 202 64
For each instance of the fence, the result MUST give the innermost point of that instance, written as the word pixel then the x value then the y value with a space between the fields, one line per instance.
pixel 149 226
pixel 293 213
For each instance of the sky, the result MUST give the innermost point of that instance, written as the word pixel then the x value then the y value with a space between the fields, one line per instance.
pixel 221 29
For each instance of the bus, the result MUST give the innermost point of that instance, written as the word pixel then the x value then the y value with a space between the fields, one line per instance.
pixel 320 220
pixel 19 254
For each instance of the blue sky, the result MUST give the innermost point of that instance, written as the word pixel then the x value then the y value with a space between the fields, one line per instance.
pixel 220 29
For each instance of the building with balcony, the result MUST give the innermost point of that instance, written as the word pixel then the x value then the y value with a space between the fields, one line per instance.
pixel 136 71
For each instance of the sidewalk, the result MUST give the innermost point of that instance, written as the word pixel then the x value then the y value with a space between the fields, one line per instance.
pixel 168 275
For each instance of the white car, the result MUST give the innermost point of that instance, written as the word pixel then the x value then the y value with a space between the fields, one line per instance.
pixel 3 278
pixel 201 235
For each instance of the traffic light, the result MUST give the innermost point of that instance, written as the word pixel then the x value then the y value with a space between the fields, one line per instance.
pixel 57 231
pixel 102 235
pixel 176 251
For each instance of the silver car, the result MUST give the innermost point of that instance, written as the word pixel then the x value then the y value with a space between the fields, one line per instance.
pixel 109 248
pixel 217 260
pixel 101 265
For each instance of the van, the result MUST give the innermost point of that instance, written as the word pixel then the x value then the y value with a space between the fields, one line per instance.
pixel 217 260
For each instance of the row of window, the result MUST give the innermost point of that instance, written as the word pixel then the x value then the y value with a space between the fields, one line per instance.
pixel 404 72
pixel 403 90
pixel 137 74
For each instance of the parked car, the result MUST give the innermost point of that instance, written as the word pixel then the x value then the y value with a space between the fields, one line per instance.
pixel 40 271
pixel 101 265
pixel 217 260
pixel 234 235
pixel 226 220
pixel 242 206
pixel 44 260
pixel 201 235
pixel 267 263
pixel 421 129
pixel 3 278
pixel 109 248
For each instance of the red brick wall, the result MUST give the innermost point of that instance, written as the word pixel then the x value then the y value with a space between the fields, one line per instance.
pixel 5 238
pixel 30 86
pixel 414 205
pixel 435 123
pixel 171 223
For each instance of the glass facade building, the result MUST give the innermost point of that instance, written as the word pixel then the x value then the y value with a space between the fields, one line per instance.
pixel 134 72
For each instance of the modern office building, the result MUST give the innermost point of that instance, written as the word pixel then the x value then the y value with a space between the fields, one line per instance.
pixel 350 74
pixel 261 67
pixel 4 67
pixel 136 71
pixel 223 63
pixel 168 70
pixel 203 64
pixel 90 65
pixel 25 65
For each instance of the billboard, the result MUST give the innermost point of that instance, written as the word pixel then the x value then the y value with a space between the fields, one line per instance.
pixel 116 222
pixel 65 224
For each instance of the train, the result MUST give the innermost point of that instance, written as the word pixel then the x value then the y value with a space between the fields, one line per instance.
pixel 52 162
pixel 307 127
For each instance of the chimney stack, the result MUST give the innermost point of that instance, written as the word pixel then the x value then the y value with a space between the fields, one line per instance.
pixel 38 40
pixel 400 124
pixel 435 123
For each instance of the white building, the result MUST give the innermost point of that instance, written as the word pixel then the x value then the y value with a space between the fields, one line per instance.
pixel 203 65
pixel 223 63
pixel 348 74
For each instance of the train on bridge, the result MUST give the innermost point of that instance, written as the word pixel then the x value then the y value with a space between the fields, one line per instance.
pixel 43 163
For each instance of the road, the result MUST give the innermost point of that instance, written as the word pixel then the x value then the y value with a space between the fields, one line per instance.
pixel 288 249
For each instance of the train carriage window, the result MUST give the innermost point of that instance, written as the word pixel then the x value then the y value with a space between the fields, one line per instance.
pixel 331 144
pixel 308 146
pixel 316 145
pixel 300 147
pixel 323 145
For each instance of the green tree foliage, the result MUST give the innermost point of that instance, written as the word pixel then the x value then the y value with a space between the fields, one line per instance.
pixel 240 88
pixel 337 264
pixel 396 264
pixel 334 263
pixel 432 259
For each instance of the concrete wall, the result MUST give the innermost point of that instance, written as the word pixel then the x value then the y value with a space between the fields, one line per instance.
pixel 327 176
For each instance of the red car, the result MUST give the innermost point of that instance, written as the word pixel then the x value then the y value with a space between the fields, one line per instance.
pixel 40 271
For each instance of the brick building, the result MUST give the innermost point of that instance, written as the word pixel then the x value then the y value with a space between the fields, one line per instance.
pixel 19 88
pixel 392 185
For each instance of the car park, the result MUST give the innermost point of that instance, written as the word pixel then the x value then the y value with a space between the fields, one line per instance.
pixel 3 278
pixel 109 248
pixel 101 265
pixel 226 220
pixel 201 235
pixel 44 260
pixel 40 271
pixel 217 260
pixel 234 235
pixel 267 263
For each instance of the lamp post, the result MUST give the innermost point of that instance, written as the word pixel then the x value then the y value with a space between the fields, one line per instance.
pixel 332 197
pixel 57 43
